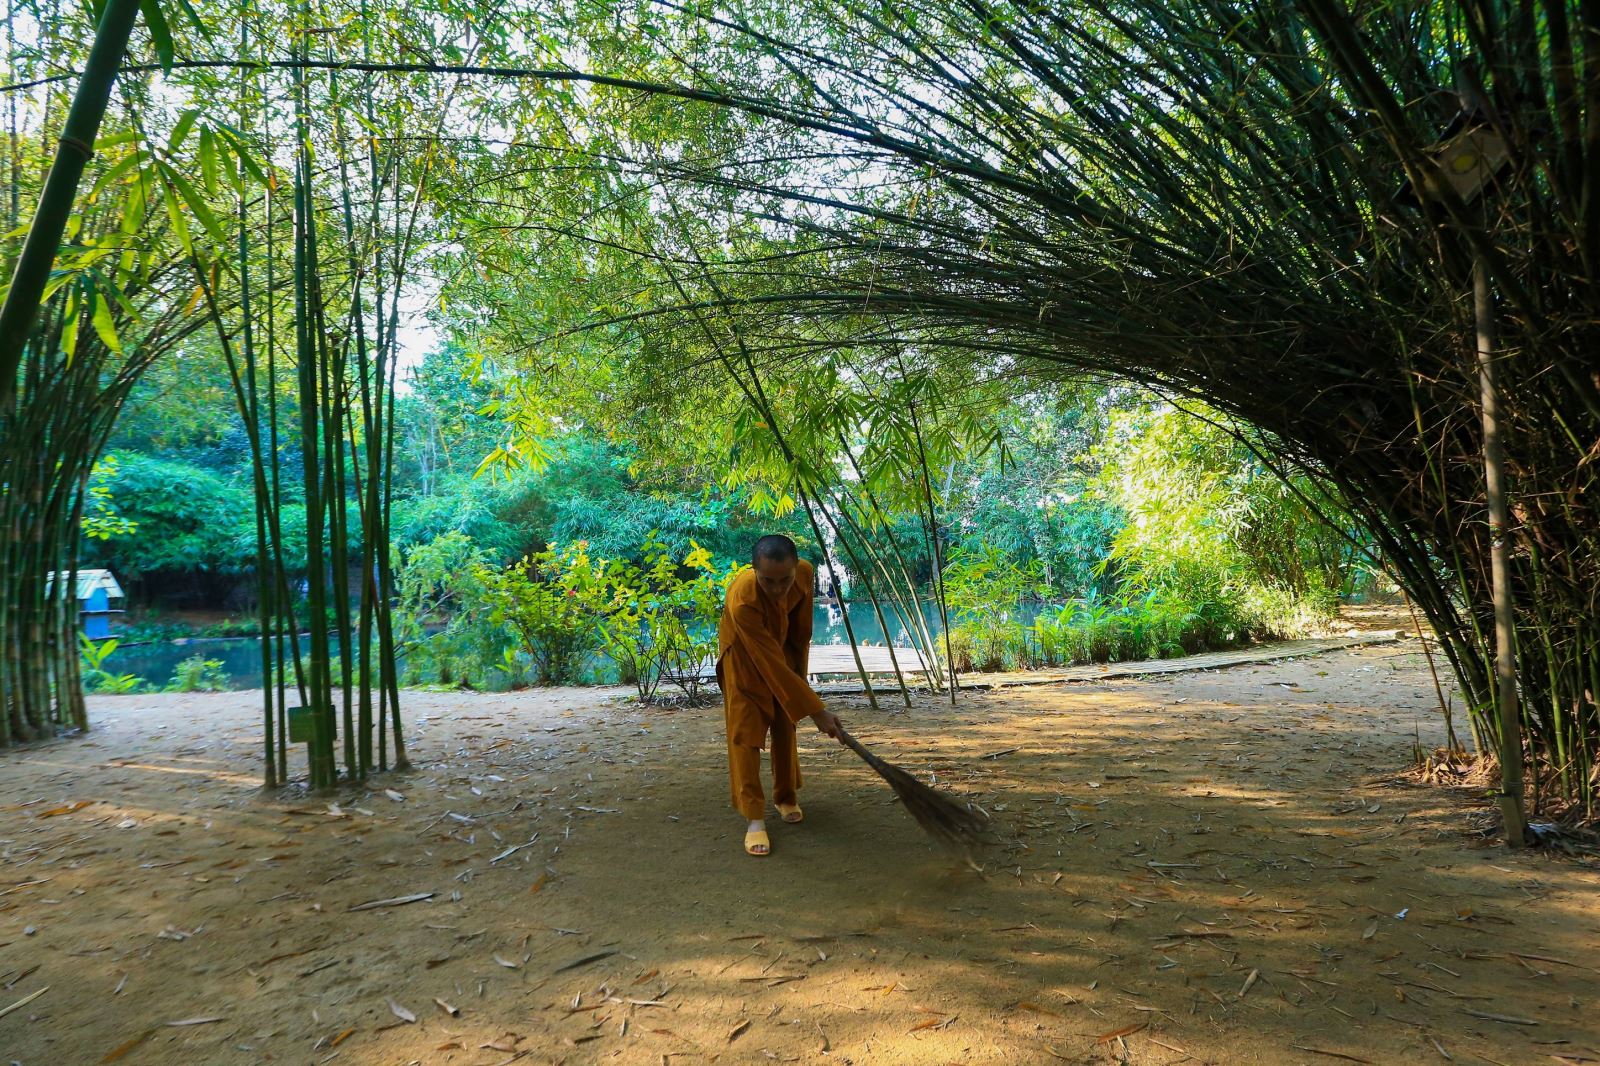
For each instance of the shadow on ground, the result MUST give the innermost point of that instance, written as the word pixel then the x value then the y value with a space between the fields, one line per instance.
pixel 1219 867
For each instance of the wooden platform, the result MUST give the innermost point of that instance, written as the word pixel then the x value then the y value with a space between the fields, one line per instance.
pixel 836 659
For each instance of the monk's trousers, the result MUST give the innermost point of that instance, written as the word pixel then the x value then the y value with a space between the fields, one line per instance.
pixel 744 770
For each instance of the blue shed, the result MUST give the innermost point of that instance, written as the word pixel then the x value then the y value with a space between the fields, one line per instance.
pixel 96 589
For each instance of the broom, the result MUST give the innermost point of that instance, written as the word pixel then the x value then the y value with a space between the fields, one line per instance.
pixel 950 822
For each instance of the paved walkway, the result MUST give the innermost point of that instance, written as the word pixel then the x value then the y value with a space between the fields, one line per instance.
pixel 1213 660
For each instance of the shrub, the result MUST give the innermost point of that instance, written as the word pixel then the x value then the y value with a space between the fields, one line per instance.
pixel 553 603
pixel 986 591
pixel 96 678
pixel 441 622
pixel 661 621
pixel 198 674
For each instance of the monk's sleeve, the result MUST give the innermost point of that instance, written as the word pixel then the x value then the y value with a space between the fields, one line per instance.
pixel 797 646
pixel 787 686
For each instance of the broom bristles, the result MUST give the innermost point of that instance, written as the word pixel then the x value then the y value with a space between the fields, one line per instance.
pixel 949 821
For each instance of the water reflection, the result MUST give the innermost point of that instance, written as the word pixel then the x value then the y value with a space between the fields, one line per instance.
pixel 241 656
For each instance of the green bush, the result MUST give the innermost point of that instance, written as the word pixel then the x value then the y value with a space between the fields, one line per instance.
pixel 661 619
pixel 198 674
pixel 151 627
pixel 986 590
pixel 441 624
pixel 96 678
pixel 186 518
pixel 545 618
pixel 233 627
pixel 552 603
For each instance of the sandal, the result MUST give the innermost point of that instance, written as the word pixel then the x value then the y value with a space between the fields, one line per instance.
pixel 757 839
pixel 791 812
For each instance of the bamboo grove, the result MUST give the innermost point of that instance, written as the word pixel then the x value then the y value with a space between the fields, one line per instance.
pixel 1250 214
pixel 1241 206
pixel 193 229
pixel 860 220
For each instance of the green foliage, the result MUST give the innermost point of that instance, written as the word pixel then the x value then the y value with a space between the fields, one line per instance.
pixel 231 627
pixel 1031 496
pixel 545 617
pixel 101 520
pixel 661 622
pixel 550 603
pixel 187 518
pixel 985 590
pixel 1208 524
pixel 439 587
pixel 150 626
pixel 1132 625
pixel 589 490
pixel 96 678
pixel 1202 548
pixel 198 674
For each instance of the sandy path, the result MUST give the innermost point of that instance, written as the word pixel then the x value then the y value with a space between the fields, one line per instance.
pixel 1220 866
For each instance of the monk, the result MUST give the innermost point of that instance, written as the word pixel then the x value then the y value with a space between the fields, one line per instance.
pixel 763 646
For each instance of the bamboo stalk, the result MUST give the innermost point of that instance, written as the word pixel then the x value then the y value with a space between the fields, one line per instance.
pixel 1504 624
pixel 33 267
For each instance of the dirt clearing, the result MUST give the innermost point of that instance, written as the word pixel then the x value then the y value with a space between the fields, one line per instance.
pixel 1217 867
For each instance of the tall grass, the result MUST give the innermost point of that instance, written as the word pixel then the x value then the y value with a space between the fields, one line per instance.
pixel 1154 624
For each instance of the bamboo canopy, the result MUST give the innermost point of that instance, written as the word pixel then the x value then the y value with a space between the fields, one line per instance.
pixel 1202 198
pixel 1199 197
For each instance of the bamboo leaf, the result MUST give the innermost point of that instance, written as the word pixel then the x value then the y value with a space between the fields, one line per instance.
pixel 69 332
pixel 180 225
pixel 208 161
pixel 155 21
pixel 114 172
pixel 105 325
pixel 195 202
pixel 180 130
pixel 122 1049
pixel 195 21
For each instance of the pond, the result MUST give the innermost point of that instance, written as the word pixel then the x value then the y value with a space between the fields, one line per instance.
pixel 241 656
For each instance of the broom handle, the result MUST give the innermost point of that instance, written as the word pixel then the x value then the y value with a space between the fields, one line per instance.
pixel 853 744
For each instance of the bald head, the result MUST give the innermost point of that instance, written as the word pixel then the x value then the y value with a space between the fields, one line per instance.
pixel 775 559
pixel 776 547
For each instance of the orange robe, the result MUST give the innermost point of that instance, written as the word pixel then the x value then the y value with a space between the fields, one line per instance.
pixel 763 647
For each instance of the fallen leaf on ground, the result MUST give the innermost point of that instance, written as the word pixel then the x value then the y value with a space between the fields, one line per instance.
pixel 128 1045
pixel 197 1021
pixel 932 1023
pixel 1249 983
pixel 586 960
pixel 1330 1054
pixel 1126 1030
pixel 67 809
pixel 24 1001
pixel 1508 1019
pixel 738 1030
pixel 401 1013
pixel 396 901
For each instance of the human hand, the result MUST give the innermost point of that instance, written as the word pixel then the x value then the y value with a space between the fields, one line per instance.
pixel 828 722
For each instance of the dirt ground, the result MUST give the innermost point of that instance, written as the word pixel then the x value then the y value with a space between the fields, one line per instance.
pixel 1220 867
